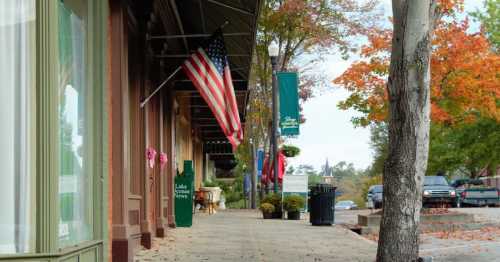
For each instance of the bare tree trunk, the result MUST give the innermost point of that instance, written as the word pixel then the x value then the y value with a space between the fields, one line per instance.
pixel 404 169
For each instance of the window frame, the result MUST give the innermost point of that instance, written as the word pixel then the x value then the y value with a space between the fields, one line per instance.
pixel 45 141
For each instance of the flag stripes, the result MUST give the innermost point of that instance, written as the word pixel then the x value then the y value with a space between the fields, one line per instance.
pixel 209 71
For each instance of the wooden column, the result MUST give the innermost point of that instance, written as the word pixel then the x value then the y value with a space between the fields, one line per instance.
pixel 171 165
pixel 118 134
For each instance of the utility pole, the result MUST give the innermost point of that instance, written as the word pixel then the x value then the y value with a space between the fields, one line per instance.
pixel 273 54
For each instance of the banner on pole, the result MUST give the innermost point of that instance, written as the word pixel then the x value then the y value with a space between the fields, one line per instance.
pixel 260 161
pixel 289 103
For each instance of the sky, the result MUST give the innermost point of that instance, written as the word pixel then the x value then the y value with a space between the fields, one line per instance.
pixel 328 131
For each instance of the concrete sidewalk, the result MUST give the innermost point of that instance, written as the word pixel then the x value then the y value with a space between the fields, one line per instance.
pixel 243 235
pixel 481 245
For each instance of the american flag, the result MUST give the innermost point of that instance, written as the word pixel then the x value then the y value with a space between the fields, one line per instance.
pixel 208 69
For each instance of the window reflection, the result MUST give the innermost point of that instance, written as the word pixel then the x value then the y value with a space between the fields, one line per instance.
pixel 75 118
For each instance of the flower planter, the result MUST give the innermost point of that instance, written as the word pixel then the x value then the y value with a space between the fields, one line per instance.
pixel 215 193
pixel 267 215
pixel 293 204
pixel 277 214
pixel 293 215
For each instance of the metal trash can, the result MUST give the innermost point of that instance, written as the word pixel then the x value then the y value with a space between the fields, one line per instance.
pixel 322 205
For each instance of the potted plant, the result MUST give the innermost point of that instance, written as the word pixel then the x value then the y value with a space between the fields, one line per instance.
pixel 267 210
pixel 275 200
pixel 214 189
pixel 293 204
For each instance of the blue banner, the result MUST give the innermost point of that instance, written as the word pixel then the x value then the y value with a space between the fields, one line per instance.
pixel 260 160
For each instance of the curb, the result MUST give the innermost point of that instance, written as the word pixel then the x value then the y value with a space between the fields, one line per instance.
pixel 355 235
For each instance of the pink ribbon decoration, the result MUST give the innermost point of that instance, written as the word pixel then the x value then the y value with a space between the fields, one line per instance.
pixel 150 156
pixel 163 159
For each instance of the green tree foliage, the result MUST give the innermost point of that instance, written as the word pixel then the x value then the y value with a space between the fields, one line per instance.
pixel 466 149
pixel 307 170
pixel 305 31
pixel 379 139
pixel 349 189
pixel 343 170
pixel 490 20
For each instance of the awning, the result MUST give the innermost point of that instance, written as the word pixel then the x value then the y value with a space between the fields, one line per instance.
pixel 187 24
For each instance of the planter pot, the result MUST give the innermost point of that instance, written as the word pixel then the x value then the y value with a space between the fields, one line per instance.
pixel 267 215
pixel 277 214
pixel 294 215
pixel 215 193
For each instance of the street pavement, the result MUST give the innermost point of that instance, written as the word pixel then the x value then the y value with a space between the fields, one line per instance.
pixel 242 235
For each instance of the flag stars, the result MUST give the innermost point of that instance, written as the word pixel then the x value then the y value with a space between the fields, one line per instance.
pixel 217 53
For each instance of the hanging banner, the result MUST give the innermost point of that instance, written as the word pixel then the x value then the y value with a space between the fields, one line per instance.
pixel 289 103
pixel 260 161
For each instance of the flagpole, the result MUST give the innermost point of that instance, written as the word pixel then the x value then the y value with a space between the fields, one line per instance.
pixel 143 103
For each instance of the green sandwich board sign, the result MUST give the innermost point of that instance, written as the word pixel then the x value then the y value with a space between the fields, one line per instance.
pixel 289 103
pixel 184 189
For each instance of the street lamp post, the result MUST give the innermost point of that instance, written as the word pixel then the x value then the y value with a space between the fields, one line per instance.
pixel 253 196
pixel 273 54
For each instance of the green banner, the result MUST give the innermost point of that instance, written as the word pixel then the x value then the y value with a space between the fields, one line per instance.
pixel 289 103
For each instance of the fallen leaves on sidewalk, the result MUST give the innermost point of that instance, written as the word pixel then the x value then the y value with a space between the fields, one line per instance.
pixel 435 211
pixel 485 234
pixel 427 211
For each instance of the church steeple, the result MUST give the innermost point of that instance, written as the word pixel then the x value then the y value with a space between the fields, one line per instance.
pixel 327 170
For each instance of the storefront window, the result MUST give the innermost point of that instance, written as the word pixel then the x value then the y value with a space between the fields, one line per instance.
pixel 75 126
pixel 17 76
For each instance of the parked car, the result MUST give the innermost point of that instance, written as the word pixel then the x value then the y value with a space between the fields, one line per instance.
pixel 437 192
pixel 374 196
pixel 345 205
pixel 473 192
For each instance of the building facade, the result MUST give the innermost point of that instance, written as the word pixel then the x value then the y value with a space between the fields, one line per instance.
pixel 148 41
pixel 82 177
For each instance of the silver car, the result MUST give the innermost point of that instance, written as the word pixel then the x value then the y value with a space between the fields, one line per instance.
pixel 345 205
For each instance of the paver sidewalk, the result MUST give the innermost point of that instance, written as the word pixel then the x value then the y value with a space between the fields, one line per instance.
pixel 245 236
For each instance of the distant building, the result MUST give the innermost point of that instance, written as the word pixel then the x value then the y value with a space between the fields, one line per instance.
pixel 327 169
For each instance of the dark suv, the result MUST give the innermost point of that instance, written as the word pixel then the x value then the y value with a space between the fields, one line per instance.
pixel 437 191
pixel 375 196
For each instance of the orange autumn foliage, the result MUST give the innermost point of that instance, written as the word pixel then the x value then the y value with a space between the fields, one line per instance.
pixel 465 76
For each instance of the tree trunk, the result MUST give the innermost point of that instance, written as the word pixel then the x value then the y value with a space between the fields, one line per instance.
pixel 409 121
